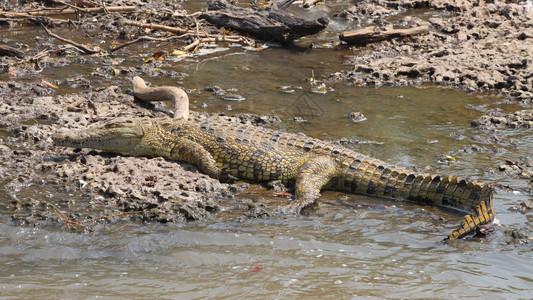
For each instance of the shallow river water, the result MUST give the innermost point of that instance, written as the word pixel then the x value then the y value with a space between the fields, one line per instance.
pixel 351 247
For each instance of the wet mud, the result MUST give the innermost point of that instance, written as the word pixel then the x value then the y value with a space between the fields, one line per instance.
pixel 476 46
pixel 151 189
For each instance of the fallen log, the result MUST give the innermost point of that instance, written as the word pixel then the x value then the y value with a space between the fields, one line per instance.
pixel 371 34
pixel 270 24
pixel 6 50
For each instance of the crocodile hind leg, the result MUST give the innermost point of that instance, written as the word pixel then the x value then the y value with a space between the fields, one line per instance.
pixel 312 176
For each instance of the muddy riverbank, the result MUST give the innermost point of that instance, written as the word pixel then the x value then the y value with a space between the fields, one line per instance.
pixel 33 109
pixel 85 223
pixel 476 46
pixel 148 189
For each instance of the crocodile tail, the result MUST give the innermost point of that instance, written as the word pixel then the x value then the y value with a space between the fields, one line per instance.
pixel 374 177
pixel 482 214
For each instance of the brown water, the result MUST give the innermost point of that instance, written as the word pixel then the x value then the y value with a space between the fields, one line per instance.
pixel 382 249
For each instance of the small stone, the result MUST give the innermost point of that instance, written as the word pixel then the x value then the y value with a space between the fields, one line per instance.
pixel 357 116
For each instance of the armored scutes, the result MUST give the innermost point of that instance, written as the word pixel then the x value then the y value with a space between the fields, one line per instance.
pixel 222 147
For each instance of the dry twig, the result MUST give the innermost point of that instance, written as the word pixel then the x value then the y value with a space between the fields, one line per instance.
pixel 68 11
pixel 372 34
pixel 175 30
pixel 80 47
pixel 147 38
pixel 191 46
pixel 69 5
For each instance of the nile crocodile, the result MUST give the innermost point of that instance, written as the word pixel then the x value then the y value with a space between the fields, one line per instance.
pixel 221 148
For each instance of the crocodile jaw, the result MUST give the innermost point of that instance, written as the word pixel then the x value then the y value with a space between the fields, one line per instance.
pixel 118 137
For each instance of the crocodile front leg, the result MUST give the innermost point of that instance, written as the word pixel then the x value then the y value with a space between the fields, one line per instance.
pixel 312 177
pixel 196 154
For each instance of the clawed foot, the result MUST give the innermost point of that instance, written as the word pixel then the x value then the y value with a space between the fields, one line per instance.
pixel 292 209
pixel 296 207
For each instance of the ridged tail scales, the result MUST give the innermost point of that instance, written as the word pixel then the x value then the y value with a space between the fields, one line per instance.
pixel 482 213
pixel 373 177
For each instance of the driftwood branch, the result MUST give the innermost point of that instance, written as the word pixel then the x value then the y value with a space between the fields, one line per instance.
pixel 69 5
pixel 184 32
pixel 175 30
pixel 371 34
pixel 192 46
pixel 141 39
pixel 199 37
pixel 206 39
pixel 269 24
pixel 6 50
pixel 80 47
pixel 68 11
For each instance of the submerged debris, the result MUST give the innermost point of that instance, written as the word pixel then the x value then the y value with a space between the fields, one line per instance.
pixel 522 118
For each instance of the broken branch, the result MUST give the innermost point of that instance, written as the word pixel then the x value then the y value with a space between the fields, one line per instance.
pixel 191 46
pixel 68 11
pixel 371 34
pixel 80 47
pixel 140 39
pixel 6 50
pixel 175 30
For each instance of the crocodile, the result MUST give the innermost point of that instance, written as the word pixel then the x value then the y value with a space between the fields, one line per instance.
pixel 223 149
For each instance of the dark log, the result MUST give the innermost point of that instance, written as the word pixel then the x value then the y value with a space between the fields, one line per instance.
pixel 10 51
pixel 371 35
pixel 270 24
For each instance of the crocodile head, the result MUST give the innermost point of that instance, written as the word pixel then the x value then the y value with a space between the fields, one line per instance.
pixel 119 136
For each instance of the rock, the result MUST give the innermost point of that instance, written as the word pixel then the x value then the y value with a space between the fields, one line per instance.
pixel 521 168
pixel 357 116
pixel 522 207
pixel 4 150
pixel 522 118
pixel 277 186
